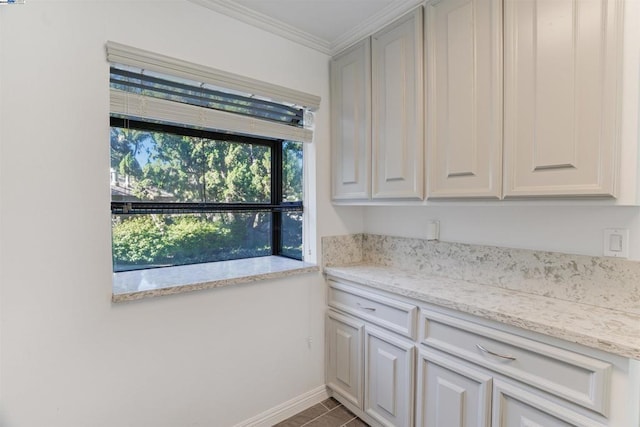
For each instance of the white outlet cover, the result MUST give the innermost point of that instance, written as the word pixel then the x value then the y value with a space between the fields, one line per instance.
pixel 616 242
pixel 433 230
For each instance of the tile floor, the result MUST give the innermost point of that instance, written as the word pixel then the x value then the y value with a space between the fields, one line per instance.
pixel 329 413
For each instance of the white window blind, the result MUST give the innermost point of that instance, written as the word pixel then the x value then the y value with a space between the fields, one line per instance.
pixel 172 109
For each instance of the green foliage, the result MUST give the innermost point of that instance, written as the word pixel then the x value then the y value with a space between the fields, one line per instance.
pixel 292 171
pixel 166 240
pixel 170 167
pixel 138 240
pixel 195 239
pixel 125 144
pixel 129 166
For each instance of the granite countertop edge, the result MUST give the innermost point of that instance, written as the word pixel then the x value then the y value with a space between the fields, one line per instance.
pixel 608 330
pixel 211 284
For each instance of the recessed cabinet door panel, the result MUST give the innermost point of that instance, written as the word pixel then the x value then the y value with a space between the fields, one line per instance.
pixel 388 378
pixel 562 71
pixel 464 78
pixel 351 122
pixel 514 406
pixel 397 96
pixel 344 356
pixel 451 394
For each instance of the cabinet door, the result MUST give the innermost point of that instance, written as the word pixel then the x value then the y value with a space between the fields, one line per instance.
pixel 351 122
pixel 513 406
pixel 397 94
pixel 388 378
pixel 451 394
pixel 344 356
pixel 464 114
pixel 562 72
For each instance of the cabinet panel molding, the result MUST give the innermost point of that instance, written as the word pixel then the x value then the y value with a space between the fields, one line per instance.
pixel 388 378
pixel 514 406
pixel 562 97
pixel 344 367
pixel 451 393
pixel 397 111
pixel 351 123
pixel 464 95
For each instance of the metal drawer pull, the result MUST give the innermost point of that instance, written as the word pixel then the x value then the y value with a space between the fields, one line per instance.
pixel 365 308
pixel 503 356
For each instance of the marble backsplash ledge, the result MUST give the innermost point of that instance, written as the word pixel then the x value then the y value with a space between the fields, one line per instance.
pixel 599 281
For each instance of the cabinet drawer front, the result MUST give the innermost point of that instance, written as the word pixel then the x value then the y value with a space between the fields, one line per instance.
pixel 574 377
pixel 394 315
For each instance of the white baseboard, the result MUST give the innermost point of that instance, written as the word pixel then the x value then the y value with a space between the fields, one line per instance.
pixel 287 409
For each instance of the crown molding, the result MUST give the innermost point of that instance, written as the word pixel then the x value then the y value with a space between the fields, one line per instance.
pixel 264 22
pixel 329 47
pixel 387 15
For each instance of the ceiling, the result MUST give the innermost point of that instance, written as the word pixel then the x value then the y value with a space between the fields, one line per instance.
pixel 328 26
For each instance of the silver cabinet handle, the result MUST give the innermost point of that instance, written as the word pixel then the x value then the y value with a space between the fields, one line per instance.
pixel 365 308
pixel 502 356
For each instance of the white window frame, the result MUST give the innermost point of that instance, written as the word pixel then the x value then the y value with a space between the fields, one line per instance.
pixel 134 285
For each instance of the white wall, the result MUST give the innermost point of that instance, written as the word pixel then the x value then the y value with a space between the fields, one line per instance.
pixel 71 358
pixel 568 229
pixel 1 207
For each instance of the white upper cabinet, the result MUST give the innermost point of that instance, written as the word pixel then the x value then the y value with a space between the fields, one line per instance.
pixel 524 98
pixel 464 93
pixel 351 122
pixel 397 111
pixel 562 91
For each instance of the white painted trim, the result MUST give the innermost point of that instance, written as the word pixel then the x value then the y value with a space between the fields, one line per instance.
pixel 287 409
pixel 330 47
pixel 372 25
pixel 128 55
pixel 267 23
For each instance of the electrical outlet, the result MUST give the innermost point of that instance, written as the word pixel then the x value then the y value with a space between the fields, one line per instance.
pixel 616 242
pixel 433 230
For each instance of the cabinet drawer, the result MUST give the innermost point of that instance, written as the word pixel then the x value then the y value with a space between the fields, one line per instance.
pixel 393 315
pixel 572 376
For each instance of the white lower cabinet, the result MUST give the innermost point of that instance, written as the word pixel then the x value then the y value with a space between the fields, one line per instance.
pixel 454 393
pixel 389 377
pixel 379 381
pixel 514 406
pixel 450 393
pixel 370 348
pixel 398 362
pixel 344 356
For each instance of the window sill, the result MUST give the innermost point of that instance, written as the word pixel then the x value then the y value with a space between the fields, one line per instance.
pixel 135 285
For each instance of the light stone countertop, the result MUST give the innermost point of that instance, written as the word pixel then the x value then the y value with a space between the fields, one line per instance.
pixel 138 284
pixel 602 328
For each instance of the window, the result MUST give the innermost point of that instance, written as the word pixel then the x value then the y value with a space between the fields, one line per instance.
pixel 185 192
